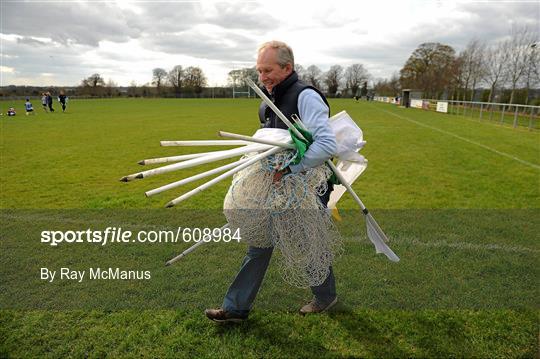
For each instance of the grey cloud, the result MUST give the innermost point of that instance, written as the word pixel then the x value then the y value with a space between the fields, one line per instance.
pixel 156 18
pixel 198 44
pixel 247 16
pixel 486 22
pixel 31 41
pixel 31 61
pixel 83 23
pixel 89 23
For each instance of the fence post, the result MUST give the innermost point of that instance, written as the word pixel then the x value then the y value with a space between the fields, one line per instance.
pixel 515 117
pixel 531 119
pixel 502 114
pixel 481 109
pixel 491 111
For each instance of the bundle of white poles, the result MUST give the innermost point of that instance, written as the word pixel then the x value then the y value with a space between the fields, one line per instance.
pixel 260 147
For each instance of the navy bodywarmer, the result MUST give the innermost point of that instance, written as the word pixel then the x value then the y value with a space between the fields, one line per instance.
pixel 285 97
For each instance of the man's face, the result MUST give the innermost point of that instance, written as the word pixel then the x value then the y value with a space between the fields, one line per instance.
pixel 270 72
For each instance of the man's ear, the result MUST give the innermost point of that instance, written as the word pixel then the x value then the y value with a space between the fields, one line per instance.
pixel 289 68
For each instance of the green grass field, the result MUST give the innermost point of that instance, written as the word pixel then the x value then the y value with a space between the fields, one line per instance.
pixel 458 198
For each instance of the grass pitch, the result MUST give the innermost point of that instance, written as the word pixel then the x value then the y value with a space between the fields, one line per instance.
pixel 458 198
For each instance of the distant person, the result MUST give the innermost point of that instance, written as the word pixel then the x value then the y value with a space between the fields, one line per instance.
pixel 44 101
pixel 29 108
pixel 49 102
pixel 11 112
pixel 356 98
pixel 62 98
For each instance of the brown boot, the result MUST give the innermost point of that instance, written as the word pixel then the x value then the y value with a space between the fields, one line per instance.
pixel 221 316
pixel 314 307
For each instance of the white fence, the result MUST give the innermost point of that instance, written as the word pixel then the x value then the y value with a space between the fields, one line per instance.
pixel 515 115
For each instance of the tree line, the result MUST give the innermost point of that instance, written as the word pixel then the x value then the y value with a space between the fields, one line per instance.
pixel 507 71
pixel 336 82
pixel 177 82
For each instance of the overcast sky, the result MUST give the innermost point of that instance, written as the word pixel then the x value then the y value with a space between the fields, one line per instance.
pixel 62 42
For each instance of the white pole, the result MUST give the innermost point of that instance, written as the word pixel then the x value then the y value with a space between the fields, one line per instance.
pixel 195 162
pixel 175 158
pixel 202 143
pixel 223 176
pixel 194 178
pixel 191 249
pixel 185 253
pixel 257 140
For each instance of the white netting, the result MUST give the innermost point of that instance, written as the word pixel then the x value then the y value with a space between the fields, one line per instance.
pixel 287 215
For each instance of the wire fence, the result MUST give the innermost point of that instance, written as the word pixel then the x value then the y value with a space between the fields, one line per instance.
pixel 514 115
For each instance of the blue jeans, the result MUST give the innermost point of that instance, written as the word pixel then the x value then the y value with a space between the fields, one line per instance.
pixel 243 290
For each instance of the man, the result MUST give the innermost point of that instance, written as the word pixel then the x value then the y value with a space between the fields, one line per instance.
pixel 44 101
pixel 275 65
pixel 62 98
pixel 50 102
pixel 29 108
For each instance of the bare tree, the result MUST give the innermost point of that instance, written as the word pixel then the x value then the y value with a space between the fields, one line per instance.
pixel 517 50
pixel 394 83
pixel 176 79
pixel 532 74
pixel 496 57
pixel 472 66
pixel 391 87
pixel 313 76
pixel 332 79
pixel 93 85
pixel 94 80
pixel 159 77
pixel 194 79
pixel 111 88
pixel 354 76
pixel 237 78
pixel 300 71
pixel 456 78
pixel 132 89
pixel 476 65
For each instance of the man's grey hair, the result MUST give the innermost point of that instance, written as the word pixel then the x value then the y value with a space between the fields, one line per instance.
pixel 284 52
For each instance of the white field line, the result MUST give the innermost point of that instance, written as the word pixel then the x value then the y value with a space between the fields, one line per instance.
pixel 466 140
pixel 362 239
pixel 395 242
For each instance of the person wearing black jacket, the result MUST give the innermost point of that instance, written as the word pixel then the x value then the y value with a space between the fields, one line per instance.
pixel 275 65
pixel 62 98
pixel 49 102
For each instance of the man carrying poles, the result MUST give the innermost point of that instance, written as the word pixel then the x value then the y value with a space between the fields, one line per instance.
pixel 275 65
